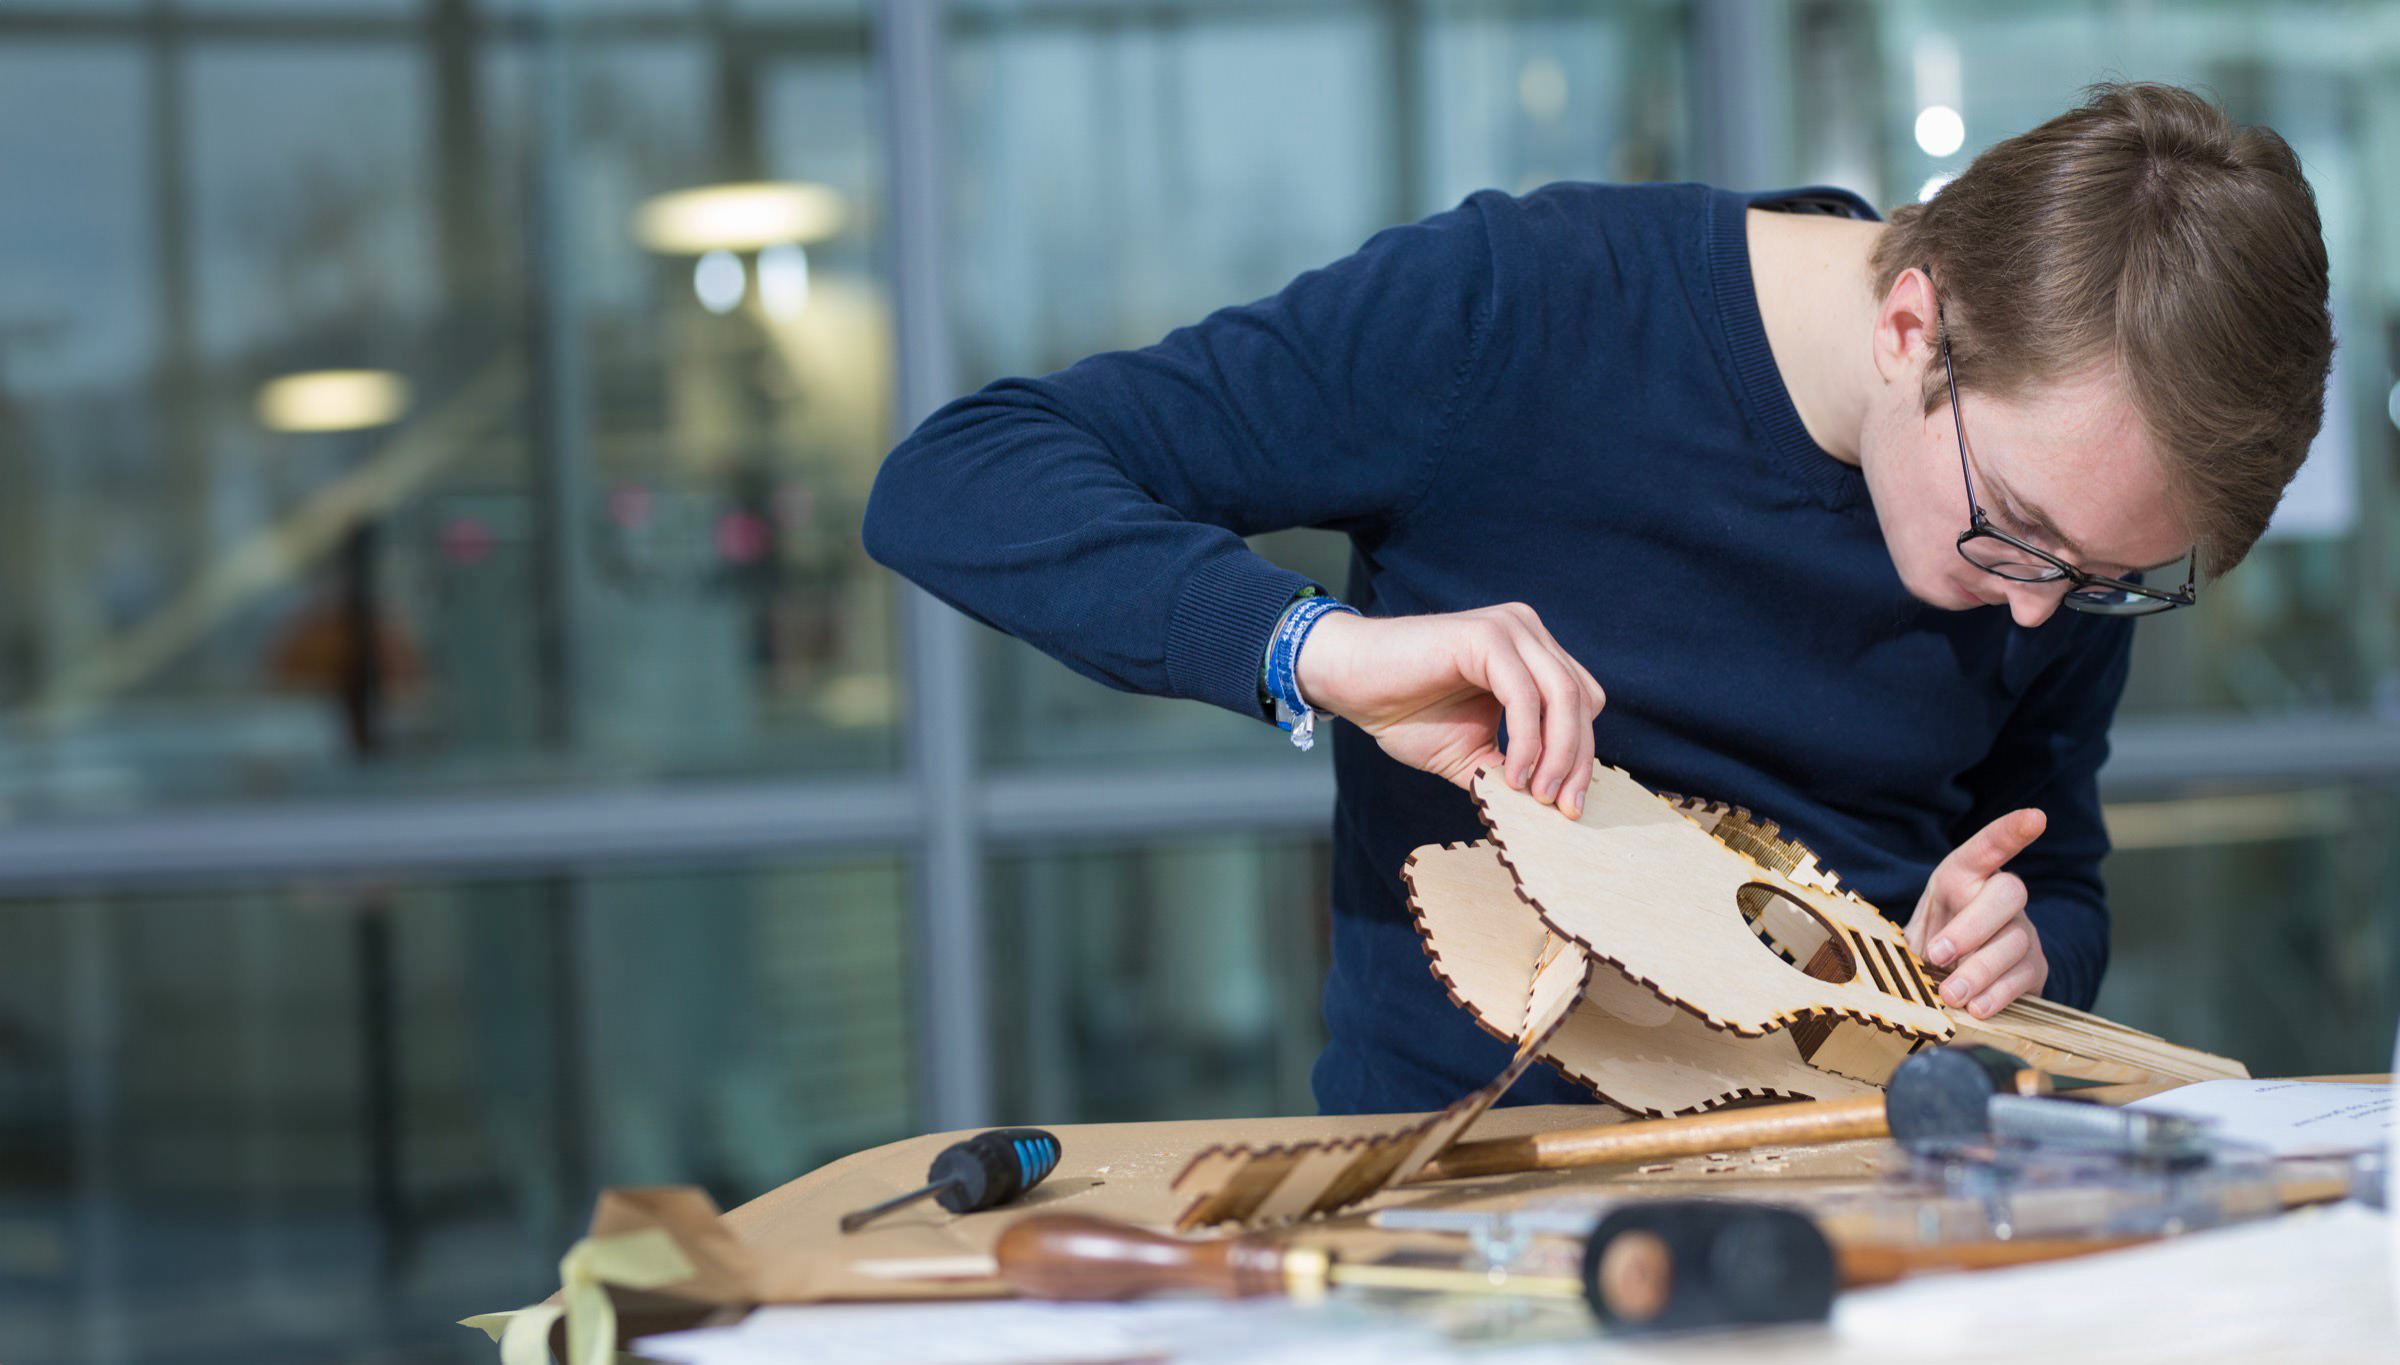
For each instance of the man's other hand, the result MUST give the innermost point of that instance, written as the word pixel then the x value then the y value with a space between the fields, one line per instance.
pixel 1972 919
pixel 1433 691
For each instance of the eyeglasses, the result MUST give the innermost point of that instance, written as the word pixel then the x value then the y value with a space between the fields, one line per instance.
pixel 1995 551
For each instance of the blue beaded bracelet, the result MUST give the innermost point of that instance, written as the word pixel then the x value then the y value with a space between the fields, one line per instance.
pixel 1292 711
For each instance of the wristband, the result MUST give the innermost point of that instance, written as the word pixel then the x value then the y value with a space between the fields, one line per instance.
pixel 1292 711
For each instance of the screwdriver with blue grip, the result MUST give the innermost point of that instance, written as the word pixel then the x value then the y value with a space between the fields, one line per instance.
pixel 983 1172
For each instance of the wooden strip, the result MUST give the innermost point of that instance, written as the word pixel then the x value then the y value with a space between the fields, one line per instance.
pixel 1242 1185
pixel 1654 1139
pixel 1883 950
pixel 1317 1171
pixel 1867 957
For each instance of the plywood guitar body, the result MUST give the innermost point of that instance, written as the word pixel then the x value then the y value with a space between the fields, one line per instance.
pixel 1672 955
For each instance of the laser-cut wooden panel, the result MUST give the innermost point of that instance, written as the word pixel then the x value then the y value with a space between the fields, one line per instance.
pixel 1253 1185
pixel 1623 1043
pixel 1642 887
pixel 1630 949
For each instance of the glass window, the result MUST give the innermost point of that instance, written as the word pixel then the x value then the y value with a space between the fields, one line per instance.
pixel 1112 161
pixel 325 476
pixel 311 8
pixel 328 1119
pixel 2304 625
pixel 2259 925
pixel 1516 99
pixel 2250 919
pixel 1161 981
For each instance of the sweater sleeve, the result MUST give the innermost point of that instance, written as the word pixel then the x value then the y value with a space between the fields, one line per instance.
pixel 2049 756
pixel 1098 512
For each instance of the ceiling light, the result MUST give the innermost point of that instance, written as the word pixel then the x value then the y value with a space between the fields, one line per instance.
pixel 783 281
pixel 745 217
pixel 719 281
pixel 1940 131
pixel 332 400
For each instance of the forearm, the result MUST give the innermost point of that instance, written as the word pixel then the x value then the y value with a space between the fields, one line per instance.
pixel 1098 513
pixel 1015 516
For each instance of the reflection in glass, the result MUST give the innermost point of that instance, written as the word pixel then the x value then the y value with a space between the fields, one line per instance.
pixel 324 1120
pixel 2305 624
pixel 1112 164
pixel 2260 925
pixel 1165 981
pixel 608 531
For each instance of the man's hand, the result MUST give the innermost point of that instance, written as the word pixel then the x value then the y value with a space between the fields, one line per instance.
pixel 1973 914
pixel 1433 690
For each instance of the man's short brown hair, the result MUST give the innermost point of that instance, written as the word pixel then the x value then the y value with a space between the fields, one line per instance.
pixel 2147 229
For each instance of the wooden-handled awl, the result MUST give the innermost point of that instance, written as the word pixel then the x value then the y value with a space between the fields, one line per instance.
pixel 1656 1266
pixel 1077 1256
pixel 1662 1266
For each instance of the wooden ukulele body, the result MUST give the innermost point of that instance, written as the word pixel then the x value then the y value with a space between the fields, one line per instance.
pixel 1671 955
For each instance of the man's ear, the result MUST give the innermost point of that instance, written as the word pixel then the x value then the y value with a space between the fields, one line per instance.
pixel 1907 329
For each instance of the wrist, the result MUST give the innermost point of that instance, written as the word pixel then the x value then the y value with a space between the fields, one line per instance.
pixel 1291 710
pixel 1319 669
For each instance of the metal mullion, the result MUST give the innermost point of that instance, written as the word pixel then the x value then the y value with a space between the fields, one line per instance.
pixel 1275 791
pixel 458 836
pixel 772 35
pixel 948 1005
pixel 543 833
pixel 2149 755
pixel 93 1031
pixel 1740 91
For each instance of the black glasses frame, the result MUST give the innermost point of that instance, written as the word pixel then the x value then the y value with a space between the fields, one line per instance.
pixel 2090 592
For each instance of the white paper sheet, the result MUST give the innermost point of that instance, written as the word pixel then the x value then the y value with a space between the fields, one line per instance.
pixel 2288 1118
pixel 1018 1333
pixel 2310 1285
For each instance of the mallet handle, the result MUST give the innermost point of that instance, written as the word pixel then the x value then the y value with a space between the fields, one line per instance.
pixel 1795 1124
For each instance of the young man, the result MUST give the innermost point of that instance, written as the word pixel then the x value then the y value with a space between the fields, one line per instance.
pixel 1794 494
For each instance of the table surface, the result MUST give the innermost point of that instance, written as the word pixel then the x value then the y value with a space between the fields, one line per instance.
pixel 1122 1171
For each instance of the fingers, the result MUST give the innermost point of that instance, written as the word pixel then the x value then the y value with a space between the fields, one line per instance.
pixel 1566 718
pixel 1993 845
pixel 2023 979
pixel 1570 798
pixel 1548 701
pixel 1591 685
pixel 1579 778
pixel 1510 682
pixel 1985 963
pixel 2001 900
pixel 2007 967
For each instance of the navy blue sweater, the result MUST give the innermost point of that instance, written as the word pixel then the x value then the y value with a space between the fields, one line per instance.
pixel 1565 399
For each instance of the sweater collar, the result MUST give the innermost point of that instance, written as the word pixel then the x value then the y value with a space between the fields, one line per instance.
pixel 1726 237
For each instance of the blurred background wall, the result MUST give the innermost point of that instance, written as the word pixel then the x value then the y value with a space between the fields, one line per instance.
pixel 454 753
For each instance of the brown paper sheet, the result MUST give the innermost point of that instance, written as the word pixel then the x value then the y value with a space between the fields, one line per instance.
pixel 786 1247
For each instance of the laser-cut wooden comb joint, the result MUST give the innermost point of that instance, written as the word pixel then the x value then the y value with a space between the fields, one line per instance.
pixel 1716 963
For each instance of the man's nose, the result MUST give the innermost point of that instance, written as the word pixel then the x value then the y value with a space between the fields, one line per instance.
pixel 2033 603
